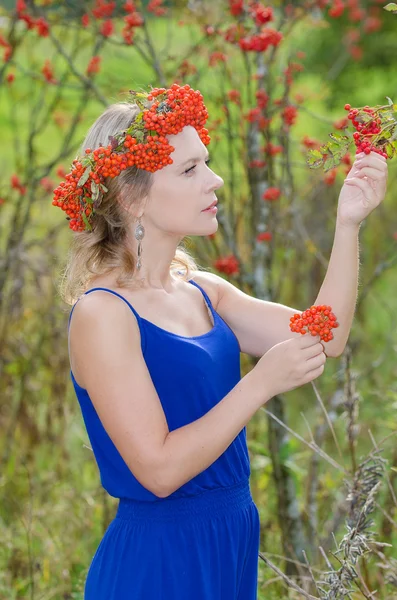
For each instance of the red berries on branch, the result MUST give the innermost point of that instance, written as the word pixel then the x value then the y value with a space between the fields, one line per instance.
pixel 272 194
pixel 94 65
pixel 17 185
pixel 375 131
pixel 107 28
pixel 227 264
pixel 264 236
pixel 262 41
pixel 48 72
pixel 365 129
pixel 289 115
pixel 143 145
pixel 316 320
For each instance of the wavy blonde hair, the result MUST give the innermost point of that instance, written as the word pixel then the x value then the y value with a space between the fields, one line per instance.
pixel 104 248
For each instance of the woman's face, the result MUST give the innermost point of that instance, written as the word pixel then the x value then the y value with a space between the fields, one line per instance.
pixel 183 189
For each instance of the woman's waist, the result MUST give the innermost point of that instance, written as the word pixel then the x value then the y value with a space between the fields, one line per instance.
pixel 208 502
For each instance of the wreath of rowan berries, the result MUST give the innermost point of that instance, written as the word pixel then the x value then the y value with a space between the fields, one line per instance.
pixel 143 144
pixel 316 320
pixel 375 131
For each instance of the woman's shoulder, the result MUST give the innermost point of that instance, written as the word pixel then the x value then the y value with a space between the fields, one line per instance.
pixel 99 319
pixel 210 283
pixel 99 307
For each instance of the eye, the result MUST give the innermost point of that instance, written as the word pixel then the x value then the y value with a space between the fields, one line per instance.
pixel 207 162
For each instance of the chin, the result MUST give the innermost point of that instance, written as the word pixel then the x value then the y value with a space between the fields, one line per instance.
pixel 204 232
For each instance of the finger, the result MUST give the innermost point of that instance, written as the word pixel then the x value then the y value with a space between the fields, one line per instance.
pixel 306 341
pixel 312 351
pixel 376 174
pixel 363 184
pixel 315 362
pixel 373 159
pixel 377 157
pixel 311 375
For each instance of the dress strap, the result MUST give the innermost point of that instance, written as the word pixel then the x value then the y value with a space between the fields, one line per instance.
pixel 138 318
pixel 209 303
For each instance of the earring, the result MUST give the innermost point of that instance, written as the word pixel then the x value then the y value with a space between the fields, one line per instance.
pixel 139 235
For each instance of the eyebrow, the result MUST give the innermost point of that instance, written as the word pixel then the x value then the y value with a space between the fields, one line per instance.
pixel 193 160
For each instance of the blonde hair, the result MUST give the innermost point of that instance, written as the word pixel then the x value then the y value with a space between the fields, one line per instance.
pixel 104 248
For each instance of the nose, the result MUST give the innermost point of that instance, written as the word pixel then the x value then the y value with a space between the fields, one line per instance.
pixel 218 182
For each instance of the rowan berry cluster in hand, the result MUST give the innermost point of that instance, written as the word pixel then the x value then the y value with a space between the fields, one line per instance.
pixel 375 131
pixel 366 129
pixel 316 320
pixel 143 145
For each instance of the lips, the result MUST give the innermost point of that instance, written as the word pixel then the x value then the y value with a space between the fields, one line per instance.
pixel 215 202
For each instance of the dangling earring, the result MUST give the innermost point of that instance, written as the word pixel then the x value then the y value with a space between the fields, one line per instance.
pixel 139 235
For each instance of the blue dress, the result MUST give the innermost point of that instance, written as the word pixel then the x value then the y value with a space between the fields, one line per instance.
pixel 202 541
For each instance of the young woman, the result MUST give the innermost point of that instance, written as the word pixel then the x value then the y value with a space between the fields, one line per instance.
pixel 155 345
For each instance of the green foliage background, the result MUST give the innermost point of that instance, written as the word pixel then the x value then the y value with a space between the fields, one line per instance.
pixel 53 511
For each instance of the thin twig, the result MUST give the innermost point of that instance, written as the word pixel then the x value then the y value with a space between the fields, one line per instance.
pixel 327 417
pixel 286 579
pixel 311 445
pixel 393 495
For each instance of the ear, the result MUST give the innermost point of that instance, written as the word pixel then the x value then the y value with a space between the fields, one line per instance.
pixel 133 209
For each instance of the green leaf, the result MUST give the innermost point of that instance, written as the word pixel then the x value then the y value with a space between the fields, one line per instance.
pixel 104 188
pixel 95 191
pixel 330 163
pixel 392 7
pixel 334 149
pixel 385 135
pixel 86 162
pixel 390 150
pixel 86 222
pixel 337 137
pixel 314 159
pixel 84 177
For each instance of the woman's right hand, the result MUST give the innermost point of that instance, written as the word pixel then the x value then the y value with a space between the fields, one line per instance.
pixel 290 364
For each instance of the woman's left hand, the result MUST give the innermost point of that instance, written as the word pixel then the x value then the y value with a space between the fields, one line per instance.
pixel 363 190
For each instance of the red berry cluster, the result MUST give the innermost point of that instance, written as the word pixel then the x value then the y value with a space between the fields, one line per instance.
pixel 103 9
pixel 261 14
pixel 261 42
pixel 94 65
pixel 272 149
pixel 48 72
pixel 271 194
pixel 366 129
pixel 217 57
pixel 8 50
pixel 316 320
pixel 41 24
pixel 132 21
pixel 234 96
pixel 155 7
pixel 236 7
pixel 289 115
pixel 143 145
pixel 227 264
pixel 107 28
pixel 264 236
pixel 17 185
